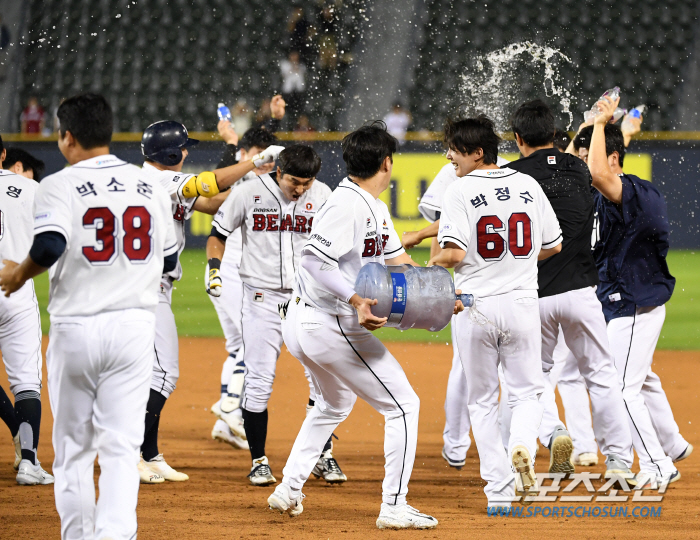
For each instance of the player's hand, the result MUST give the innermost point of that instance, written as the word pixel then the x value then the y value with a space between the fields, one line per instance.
pixel 606 109
pixel 363 306
pixel 269 155
pixel 9 279
pixel 631 126
pixel 228 134
pixel 411 239
pixel 213 279
pixel 459 306
pixel 278 107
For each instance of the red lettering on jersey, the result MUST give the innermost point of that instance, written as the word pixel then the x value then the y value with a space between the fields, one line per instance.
pixel 385 239
pixel 309 224
pixel 286 224
pixel 521 248
pixel 258 222
pixel 272 222
pixel 370 247
pixel 300 225
pixel 489 244
pixel 179 214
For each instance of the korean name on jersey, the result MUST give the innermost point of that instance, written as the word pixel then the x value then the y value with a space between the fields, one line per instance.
pixel 352 229
pixel 502 219
pixel 16 221
pixel 274 229
pixel 118 227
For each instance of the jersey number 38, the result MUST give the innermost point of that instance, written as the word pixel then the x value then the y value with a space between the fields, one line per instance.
pixel 492 246
pixel 137 241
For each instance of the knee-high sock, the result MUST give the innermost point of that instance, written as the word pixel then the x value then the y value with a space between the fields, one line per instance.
pixel 255 425
pixel 7 413
pixel 156 402
pixel 28 413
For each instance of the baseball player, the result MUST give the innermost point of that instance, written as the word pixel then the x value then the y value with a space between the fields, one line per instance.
pixel 327 327
pixel 22 162
pixel 20 330
pixel 635 284
pixel 275 217
pixel 494 227
pixel 228 306
pixel 567 296
pixel 107 235
pixel 457 424
pixel 164 146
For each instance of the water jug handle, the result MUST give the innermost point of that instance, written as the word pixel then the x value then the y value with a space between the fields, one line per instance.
pixel 467 299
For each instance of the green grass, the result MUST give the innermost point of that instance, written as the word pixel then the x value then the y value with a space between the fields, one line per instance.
pixel 195 313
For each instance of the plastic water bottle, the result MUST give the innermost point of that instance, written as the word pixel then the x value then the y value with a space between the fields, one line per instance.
pixel 224 112
pixel 410 296
pixel 637 112
pixel 613 94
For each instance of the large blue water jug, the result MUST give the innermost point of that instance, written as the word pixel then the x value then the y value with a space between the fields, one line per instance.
pixel 410 296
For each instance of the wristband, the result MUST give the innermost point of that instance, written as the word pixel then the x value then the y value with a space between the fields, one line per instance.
pixel 214 263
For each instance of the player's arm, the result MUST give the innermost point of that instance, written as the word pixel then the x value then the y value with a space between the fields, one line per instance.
pixel 46 249
pixel 570 149
pixel 216 245
pixel 546 253
pixel 604 180
pixel 630 127
pixel 449 256
pixel 404 258
pixel 211 205
pixel 413 238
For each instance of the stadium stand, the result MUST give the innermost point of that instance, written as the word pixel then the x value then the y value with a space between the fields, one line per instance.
pixel 172 58
pixel 593 34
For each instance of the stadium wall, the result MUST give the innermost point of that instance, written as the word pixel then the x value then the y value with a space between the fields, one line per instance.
pixel 672 163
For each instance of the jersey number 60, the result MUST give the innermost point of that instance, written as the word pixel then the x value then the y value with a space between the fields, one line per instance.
pixel 137 235
pixel 492 246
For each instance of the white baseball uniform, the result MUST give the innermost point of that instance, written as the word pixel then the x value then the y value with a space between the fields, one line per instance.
pixel 166 365
pixel 104 292
pixel 274 231
pixel 344 359
pixel 501 219
pixel 457 424
pixel 20 323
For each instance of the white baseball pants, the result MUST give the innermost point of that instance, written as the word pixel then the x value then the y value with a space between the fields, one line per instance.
pixel 481 350
pixel 580 316
pixel 229 308
pixel 633 341
pixel 20 339
pixel 166 352
pixel 457 424
pixel 346 361
pixel 665 424
pixel 99 369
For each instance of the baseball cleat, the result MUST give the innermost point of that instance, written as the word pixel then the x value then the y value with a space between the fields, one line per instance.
pixel 560 449
pixel 233 419
pixel 403 516
pixel 615 467
pixel 222 433
pixel 29 474
pixel 654 481
pixel 328 467
pixel 283 501
pixel 18 451
pixel 147 475
pixel 457 464
pixel 161 468
pixel 586 459
pixel 260 473
pixel 688 450
pixel 525 479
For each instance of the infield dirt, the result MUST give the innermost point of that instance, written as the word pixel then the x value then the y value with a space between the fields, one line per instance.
pixel 219 502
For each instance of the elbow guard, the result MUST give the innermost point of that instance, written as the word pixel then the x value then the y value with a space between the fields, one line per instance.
pixel 203 185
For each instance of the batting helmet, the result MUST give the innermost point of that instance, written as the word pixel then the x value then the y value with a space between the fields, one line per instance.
pixel 163 142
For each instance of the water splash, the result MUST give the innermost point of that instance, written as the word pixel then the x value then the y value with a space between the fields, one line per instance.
pixel 493 85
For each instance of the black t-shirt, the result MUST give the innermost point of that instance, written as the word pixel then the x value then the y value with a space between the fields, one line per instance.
pixel 566 181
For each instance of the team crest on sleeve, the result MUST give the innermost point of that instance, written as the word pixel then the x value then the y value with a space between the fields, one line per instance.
pixel 369 223
pixel 258 297
pixel 257 199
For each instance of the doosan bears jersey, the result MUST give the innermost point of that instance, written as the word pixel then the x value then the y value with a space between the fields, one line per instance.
pixel 430 204
pixel 352 229
pixel 16 220
pixel 118 227
pixel 502 219
pixel 181 208
pixel 274 229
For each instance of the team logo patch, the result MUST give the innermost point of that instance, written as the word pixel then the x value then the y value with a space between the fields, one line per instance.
pixel 384 224
pixel 552 160
pixel 257 199
pixel 369 222
pixel 615 297
pixel 258 297
pixel 309 206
